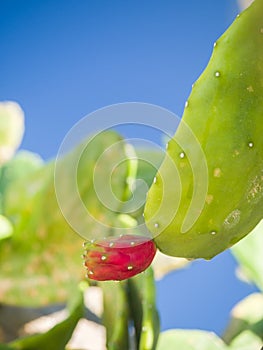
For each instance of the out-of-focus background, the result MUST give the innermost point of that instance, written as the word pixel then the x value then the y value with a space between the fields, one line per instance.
pixel 63 59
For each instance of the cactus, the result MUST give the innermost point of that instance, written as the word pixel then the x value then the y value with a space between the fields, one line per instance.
pixel 143 309
pixel 247 315
pixel 11 129
pixel 208 192
pixel 29 202
pixel 249 254
pixel 58 336
pixel 129 304
pixel 116 314
pixel 190 340
pixel 118 258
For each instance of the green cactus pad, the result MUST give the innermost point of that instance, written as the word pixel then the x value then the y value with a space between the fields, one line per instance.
pixel 35 268
pixel 208 193
pixel 11 129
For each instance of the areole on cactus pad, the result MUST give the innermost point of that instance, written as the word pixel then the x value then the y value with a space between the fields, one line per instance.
pixel 118 258
pixel 208 193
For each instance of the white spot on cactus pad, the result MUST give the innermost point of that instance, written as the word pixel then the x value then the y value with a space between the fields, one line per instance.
pixel 217 74
pixel 217 172
pixel 250 144
pixel 213 233
pixel 250 88
pixel 232 219
pixel 209 198
pixel 155 180
pixel 186 104
pixel 182 155
pixel 255 190
pixel 156 225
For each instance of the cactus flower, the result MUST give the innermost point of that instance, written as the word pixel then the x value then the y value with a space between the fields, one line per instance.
pixel 118 258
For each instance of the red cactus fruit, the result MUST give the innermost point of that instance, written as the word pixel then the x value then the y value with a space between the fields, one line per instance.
pixel 118 258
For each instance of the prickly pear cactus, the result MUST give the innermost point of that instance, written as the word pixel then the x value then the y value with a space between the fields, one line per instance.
pixel 11 129
pixel 29 201
pixel 208 193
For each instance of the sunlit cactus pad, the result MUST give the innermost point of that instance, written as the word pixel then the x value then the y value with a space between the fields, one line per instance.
pixel 208 193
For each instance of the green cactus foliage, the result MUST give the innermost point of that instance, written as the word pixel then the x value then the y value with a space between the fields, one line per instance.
pixel 35 268
pixel 190 340
pixel 116 314
pixel 128 305
pixel 6 228
pixel 59 335
pixel 6 347
pixel 246 341
pixel 203 340
pixel 249 254
pixel 145 316
pixel 247 315
pixel 11 129
pixel 208 192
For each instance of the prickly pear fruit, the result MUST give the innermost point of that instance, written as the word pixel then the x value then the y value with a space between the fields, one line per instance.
pixel 208 193
pixel 118 258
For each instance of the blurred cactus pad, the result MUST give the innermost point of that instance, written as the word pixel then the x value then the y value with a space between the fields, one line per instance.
pixel 41 262
pixel 208 193
pixel 11 129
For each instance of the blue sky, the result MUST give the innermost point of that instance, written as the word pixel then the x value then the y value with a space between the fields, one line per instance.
pixel 64 59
